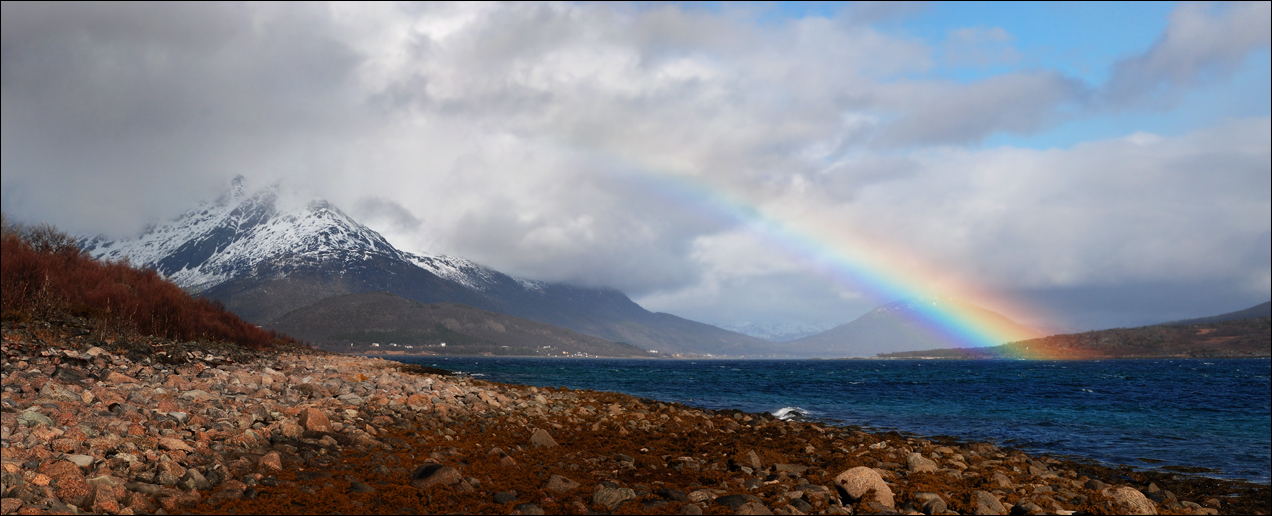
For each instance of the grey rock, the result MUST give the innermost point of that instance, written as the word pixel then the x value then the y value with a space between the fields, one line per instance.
pixel 83 461
pixel 359 487
pixel 611 498
pixel 930 503
pixel 791 468
pixel 541 438
pixel 691 510
pixel 33 418
pixel 529 508
pixel 351 399
pixel 986 503
pixel 195 480
pixel 561 484
pixel 735 501
pixel 752 508
pixel 917 463
pixel 1127 500
pixel 432 473
pixel 55 391
pixel 672 494
pixel 857 482
pixel 197 395
pixel 505 497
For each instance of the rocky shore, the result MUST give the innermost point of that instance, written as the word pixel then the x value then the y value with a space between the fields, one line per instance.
pixel 103 423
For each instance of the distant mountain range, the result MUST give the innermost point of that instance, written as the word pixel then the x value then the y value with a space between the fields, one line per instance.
pixel 1245 333
pixel 265 257
pixel 894 327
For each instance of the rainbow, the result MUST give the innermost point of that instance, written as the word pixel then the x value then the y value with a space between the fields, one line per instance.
pixel 883 273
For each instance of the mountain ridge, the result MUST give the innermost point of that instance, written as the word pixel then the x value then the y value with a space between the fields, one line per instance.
pixel 264 261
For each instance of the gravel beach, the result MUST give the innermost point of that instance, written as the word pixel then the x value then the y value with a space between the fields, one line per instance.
pixel 108 423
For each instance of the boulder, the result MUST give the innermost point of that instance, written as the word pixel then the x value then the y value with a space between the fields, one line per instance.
pixel 272 461
pixel 857 482
pixel 33 418
pixel 917 463
pixel 986 503
pixel 432 473
pixel 1127 500
pixel 313 420
pixel 170 443
pixel 541 438
pixel 611 497
pixel 930 503
pixel 529 509
pixel 561 484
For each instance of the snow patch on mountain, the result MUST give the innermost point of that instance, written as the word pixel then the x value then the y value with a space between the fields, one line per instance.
pixel 778 332
pixel 234 235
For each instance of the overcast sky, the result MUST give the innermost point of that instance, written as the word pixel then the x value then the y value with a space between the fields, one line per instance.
pixel 1075 165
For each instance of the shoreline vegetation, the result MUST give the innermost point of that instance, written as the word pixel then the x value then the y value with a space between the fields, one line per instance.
pixel 117 422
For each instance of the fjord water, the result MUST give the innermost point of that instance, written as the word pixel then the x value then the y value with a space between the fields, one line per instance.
pixel 1148 414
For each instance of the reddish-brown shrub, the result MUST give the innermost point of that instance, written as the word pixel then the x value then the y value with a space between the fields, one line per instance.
pixel 41 275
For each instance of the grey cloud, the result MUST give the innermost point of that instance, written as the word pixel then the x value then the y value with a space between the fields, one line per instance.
pixel 979 46
pixel 375 209
pixel 138 102
pixel 1021 103
pixel 1203 43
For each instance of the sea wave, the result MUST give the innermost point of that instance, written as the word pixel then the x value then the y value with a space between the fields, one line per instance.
pixel 790 413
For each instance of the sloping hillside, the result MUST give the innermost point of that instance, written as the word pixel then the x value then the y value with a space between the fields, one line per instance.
pixel 383 323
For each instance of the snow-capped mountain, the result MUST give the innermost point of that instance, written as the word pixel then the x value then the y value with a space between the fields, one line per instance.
pixel 234 235
pixel 778 332
pixel 265 254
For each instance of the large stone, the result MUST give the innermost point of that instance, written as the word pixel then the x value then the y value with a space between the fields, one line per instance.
pixel 930 503
pixel 171 443
pixel 860 481
pixel 541 438
pixel 561 484
pixel 798 469
pixel 986 503
pixel 917 463
pixel 432 473
pixel 529 509
pixel 83 461
pixel 351 399
pixel 611 498
pixel 752 508
pixel 56 392
pixel 313 420
pixel 1127 500
pixel 733 502
pixel 33 418
pixel 197 395
pixel 272 461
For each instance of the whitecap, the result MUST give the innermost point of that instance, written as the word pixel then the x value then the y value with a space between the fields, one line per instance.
pixel 789 413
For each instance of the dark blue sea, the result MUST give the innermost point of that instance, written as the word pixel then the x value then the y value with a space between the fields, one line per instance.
pixel 1147 414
